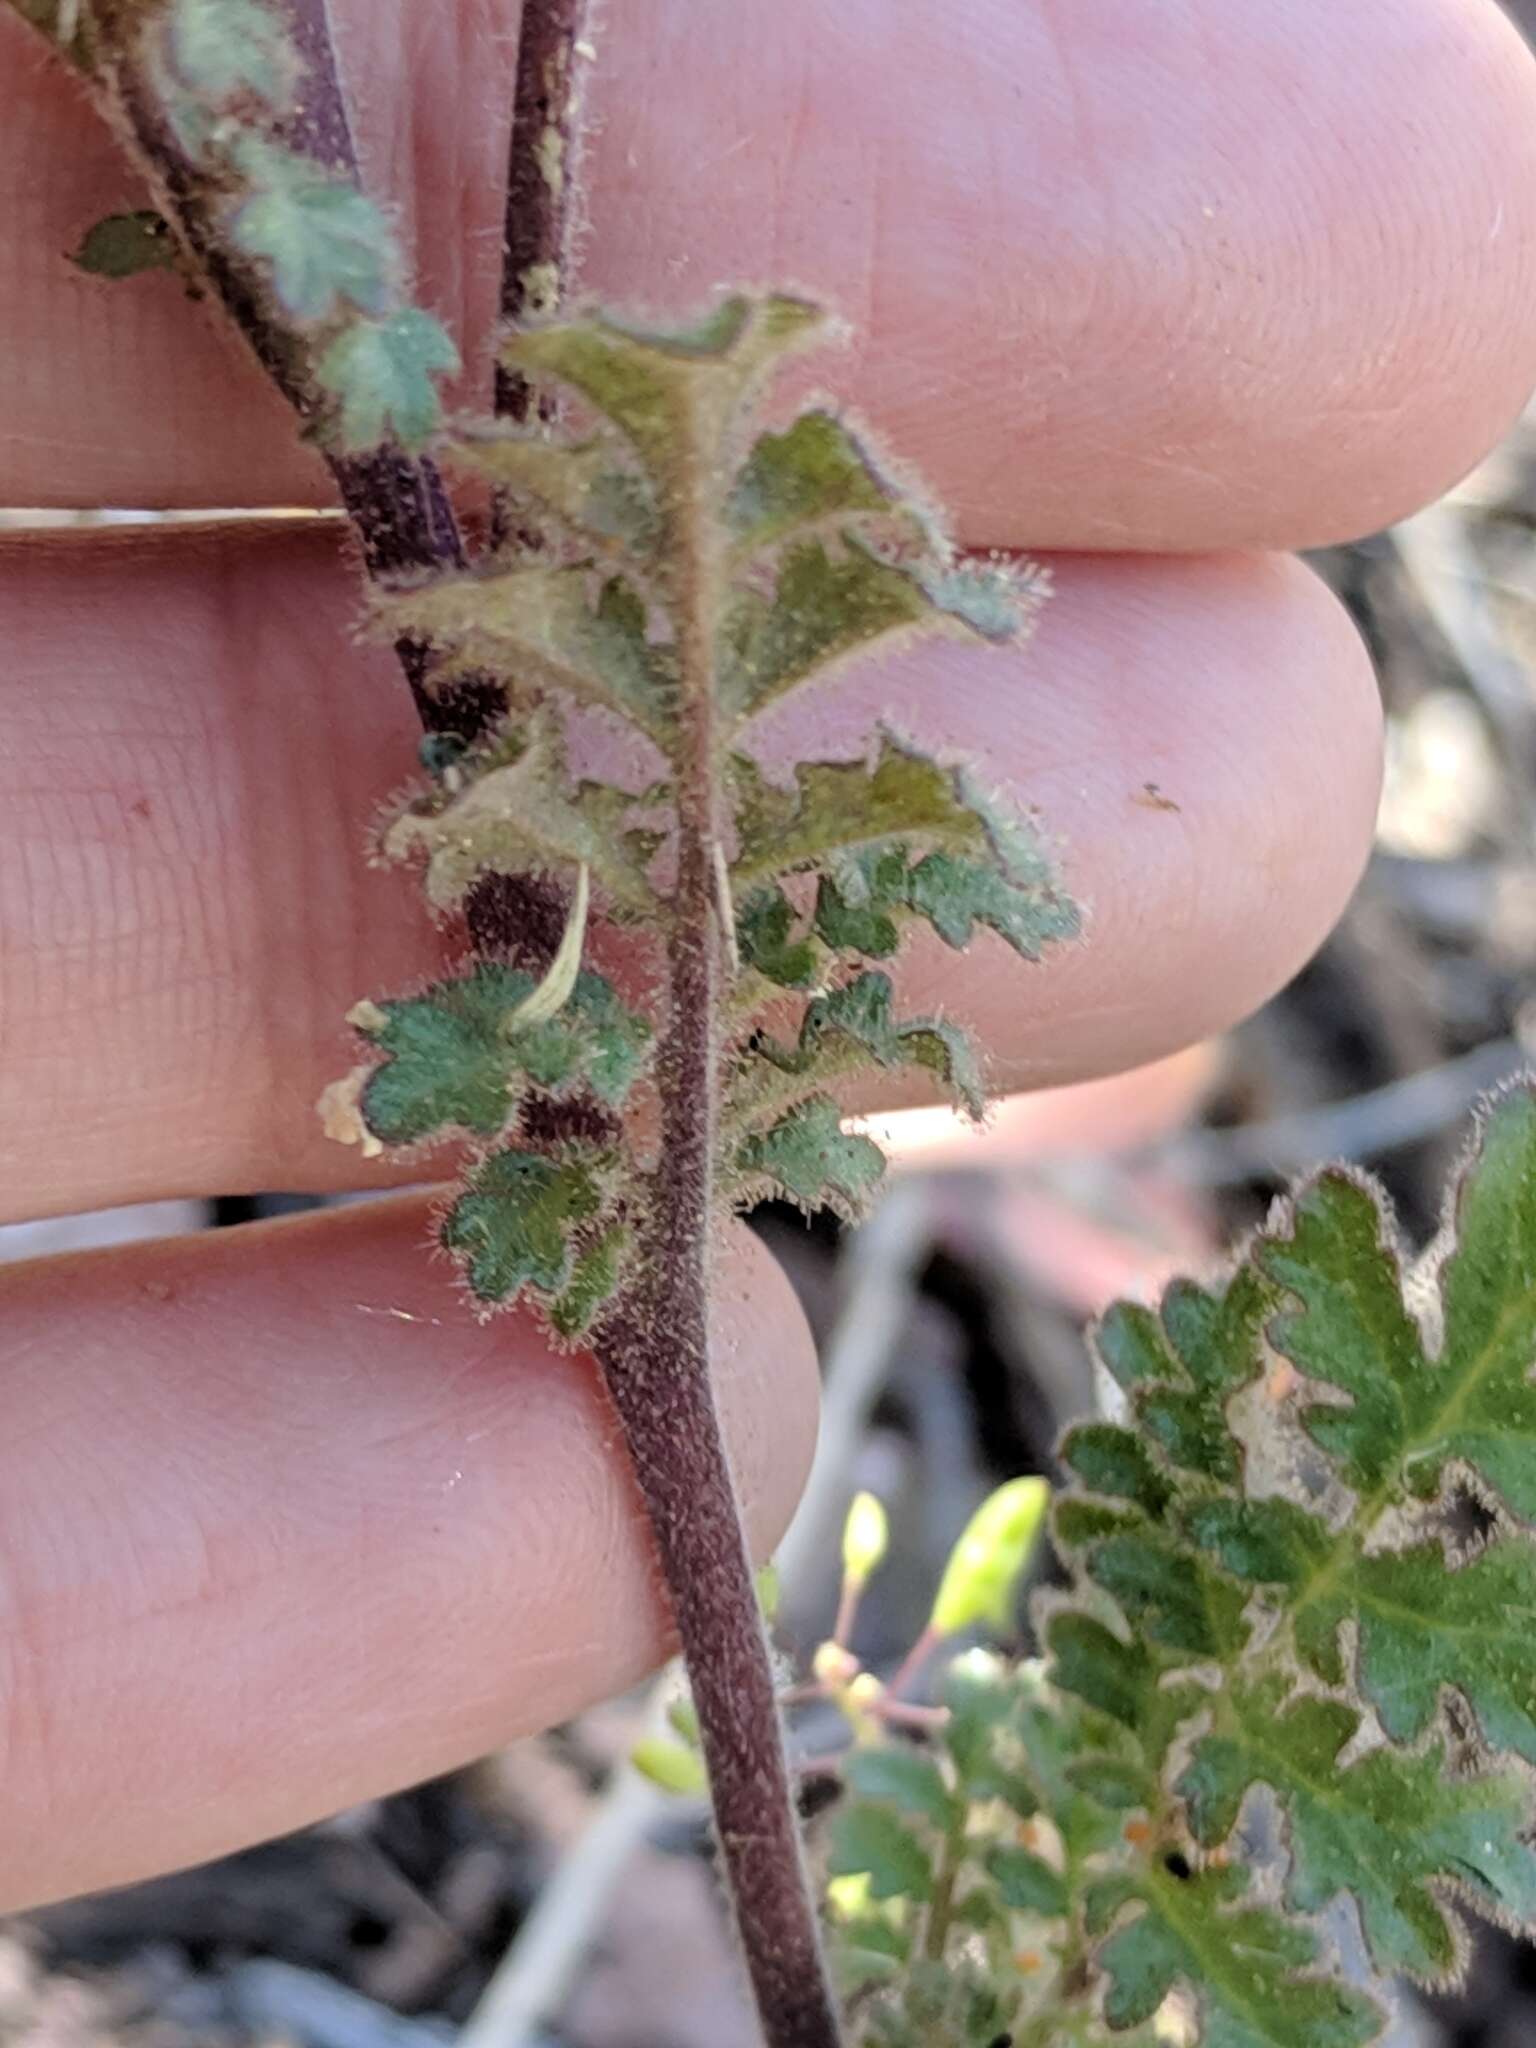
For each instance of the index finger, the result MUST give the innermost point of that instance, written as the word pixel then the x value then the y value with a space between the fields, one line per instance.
pixel 1171 278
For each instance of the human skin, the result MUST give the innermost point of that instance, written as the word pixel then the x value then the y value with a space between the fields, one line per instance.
pixel 1159 292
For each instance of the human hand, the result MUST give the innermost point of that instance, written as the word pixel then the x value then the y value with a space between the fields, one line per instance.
pixel 280 1526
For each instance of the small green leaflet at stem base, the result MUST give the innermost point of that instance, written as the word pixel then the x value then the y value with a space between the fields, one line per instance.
pixel 515 1224
pixel 455 1062
pixel 810 1159
pixel 126 245
pixel 225 48
pixel 322 241
pixel 380 374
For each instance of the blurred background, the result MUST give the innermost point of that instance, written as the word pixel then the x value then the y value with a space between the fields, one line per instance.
pixel 548 1895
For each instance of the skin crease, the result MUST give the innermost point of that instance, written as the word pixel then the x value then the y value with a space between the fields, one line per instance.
pixel 240 1582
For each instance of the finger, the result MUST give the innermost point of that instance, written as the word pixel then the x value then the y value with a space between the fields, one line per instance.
pixel 283 1528
pixel 185 915
pixel 1218 277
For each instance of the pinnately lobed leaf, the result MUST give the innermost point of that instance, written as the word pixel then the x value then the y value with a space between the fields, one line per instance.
pixel 224 48
pixel 323 241
pixel 1267 1608
pixel 380 372
pixel 1356 1584
pixel 586 613
pixel 514 1224
pixel 456 1059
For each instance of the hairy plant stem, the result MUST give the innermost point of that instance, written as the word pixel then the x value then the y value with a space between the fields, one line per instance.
pixel 942 1907
pixel 396 502
pixel 654 1353
pixel 654 1350
pixel 540 174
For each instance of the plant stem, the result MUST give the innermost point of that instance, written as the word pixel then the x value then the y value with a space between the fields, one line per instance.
pixel 941 1910
pixel 657 1371
pixel 655 1355
pixel 540 174
pixel 396 502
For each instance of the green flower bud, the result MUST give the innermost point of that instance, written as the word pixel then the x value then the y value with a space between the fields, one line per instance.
pixel 866 1535
pixel 989 1559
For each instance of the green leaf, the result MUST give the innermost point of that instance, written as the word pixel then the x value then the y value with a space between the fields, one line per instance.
pixel 576 485
pixel 850 1028
pixel 809 1158
pixel 863 824
pixel 554 627
pixel 1245 1539
pixel 1171 1599
pixel 380 374
pixel 906 1779
pixel 1115 1678
pixel 815 470
pixel 1424 1629
pixel 1027 1883
pixel 225 48
pixel 1110 1781
pixel 514 1225
pixel 671 394
pixel 1394 1829
pixel 456 1061
pixel 956 895
pixel 859 904
pixel 1183 1366
pixel 126 245
pixel 1110 1460
pixel 1412 1410
pixel 593 1283
pixel 846 807
pixel 1241 1962
pixel 1271 1542
pixel 870 1841
pixel 826 607
pixel 321 239
pixel 513 807
pixel 765 935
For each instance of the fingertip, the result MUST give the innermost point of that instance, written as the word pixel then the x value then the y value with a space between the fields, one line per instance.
pixel 291 1501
